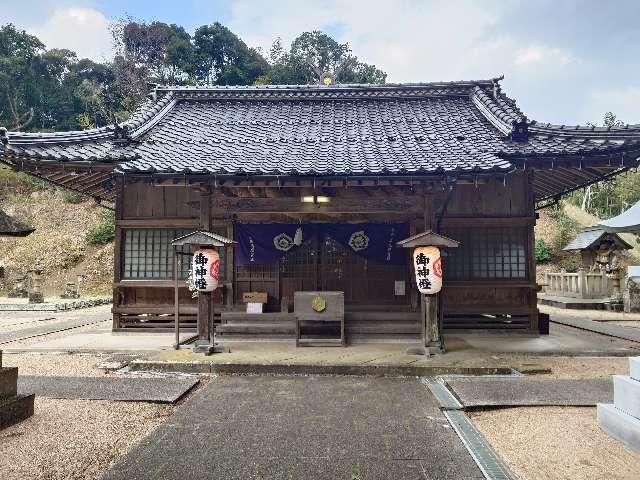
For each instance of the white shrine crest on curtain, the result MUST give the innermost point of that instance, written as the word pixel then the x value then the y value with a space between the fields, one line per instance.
pixel 359 241
pixel 283 242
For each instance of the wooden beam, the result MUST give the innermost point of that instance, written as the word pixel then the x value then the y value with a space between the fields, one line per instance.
pixel 239 205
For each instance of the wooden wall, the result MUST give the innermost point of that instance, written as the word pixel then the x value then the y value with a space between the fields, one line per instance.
pixel 484 204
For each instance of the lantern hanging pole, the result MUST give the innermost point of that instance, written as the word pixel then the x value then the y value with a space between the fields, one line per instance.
pixel 176 298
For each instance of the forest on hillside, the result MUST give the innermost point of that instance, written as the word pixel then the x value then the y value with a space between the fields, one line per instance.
pixel 52 89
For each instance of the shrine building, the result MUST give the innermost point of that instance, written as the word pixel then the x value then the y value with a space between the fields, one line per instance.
pixel 317 184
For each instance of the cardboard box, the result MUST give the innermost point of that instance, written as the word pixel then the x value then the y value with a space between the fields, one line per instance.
pixel 254 297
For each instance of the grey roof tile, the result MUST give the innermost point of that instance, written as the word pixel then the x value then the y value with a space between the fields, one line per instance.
pixel 317 130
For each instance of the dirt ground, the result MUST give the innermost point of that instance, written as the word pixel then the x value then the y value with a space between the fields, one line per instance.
pixel 74 439
pixel 563 443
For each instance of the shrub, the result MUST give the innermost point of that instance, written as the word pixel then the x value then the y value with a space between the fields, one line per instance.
pixel 12 182
pixel 69 196
pixel 72 260
pixel 104 232
pixel 542 251
pixel 570 263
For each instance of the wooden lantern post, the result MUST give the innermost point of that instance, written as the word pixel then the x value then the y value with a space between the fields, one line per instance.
pixel 426 259
pixel 200 240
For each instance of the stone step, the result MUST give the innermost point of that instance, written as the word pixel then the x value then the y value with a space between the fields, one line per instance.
pixel 626 395
pixel 619 425
pixel 15 409
pixel 634 368
pixel 8 381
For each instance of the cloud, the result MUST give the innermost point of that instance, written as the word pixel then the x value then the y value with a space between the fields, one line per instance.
pixel 537 56
pixel 623 102
pixel 411 40
pixel 83 30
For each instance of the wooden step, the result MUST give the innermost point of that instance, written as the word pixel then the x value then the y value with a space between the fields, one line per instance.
pixel 253 318
pixel 398 328
pixel 382 316
pixel 274 328
pixel 15 409
pixel 377 308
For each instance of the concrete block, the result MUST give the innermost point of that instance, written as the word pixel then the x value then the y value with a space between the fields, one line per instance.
pixel 634 368
pixel 619 425
pixel 8 381
pixel 626 395
pixel 15 409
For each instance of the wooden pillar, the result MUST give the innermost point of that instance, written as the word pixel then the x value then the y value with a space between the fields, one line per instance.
pixel 530 250
pixel 431 332
pixel 117 249
pixel 429 303
pixel 205 299
pixel 176 298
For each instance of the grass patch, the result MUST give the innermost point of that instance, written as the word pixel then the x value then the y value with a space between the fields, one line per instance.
pixel 105 231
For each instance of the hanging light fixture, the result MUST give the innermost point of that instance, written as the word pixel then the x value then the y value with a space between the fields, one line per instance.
pixel 315 199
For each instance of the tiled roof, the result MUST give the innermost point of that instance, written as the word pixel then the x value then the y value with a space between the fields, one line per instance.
pixel 318 130
pixel 590 236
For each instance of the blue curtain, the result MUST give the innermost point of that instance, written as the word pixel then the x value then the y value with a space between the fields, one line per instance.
pixel 265 243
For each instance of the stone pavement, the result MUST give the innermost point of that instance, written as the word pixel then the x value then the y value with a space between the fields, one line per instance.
pixel 475 392
pixel 250 427
pixel 134 389
pixel 466 354
pixel 604 328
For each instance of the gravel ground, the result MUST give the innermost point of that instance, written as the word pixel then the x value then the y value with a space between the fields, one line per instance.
pixel 74 439
pixel 544 443
pixel 581 367
pixel 80 365
pixel 604 315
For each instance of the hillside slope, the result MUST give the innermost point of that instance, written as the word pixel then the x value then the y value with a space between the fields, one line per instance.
pixel 59 244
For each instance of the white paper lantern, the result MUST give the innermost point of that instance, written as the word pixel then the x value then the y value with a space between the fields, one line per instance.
pixel 205 270
pixel 427 264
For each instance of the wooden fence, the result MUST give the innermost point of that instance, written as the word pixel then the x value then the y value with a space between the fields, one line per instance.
pixel 581 284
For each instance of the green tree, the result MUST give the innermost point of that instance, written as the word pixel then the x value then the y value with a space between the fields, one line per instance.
pixel 314 53
pixel 610 197
pixel 20 71
pixel 222 58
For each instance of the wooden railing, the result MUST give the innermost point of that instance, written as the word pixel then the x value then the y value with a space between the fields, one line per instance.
pixel 581 284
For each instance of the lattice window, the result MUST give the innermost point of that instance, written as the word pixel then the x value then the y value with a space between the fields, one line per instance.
pixel 148 254
pixel 490 253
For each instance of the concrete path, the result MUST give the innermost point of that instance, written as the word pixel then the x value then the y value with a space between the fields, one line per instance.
pixel 302 428
pixel 630 334
pixel 520 391
pixel 45 323
pixel 134 389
